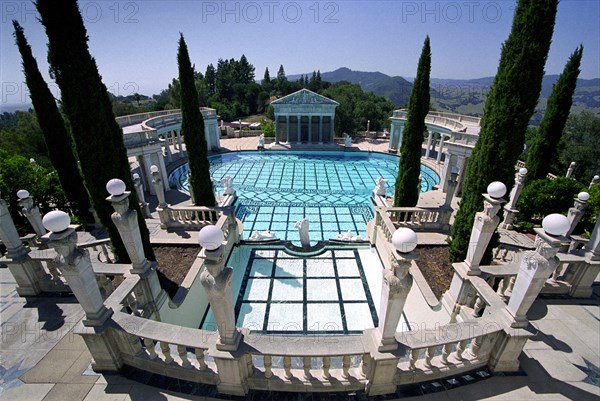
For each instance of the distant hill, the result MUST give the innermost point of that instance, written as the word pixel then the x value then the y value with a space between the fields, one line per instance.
pixel 465 96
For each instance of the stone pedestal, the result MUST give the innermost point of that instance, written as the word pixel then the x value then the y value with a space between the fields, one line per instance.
pixel 149 294
pixel 395 288
pixel 102 345
pixel 382 365
pixel 536 266
pixel 511 207
pixel 484 226
pixel 459 293
pixel 507 349
pixel 216 280
pixel 76 267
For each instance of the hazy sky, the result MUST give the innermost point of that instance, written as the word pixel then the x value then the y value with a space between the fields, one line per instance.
pixel 135 42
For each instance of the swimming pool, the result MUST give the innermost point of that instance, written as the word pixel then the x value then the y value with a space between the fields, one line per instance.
pixel 331 189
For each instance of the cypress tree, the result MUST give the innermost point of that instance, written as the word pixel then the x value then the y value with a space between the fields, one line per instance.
pixel 98 138
pixel 544 146
pixel 508 108
pixel 192 128
pixel 407 185
pixel 58 141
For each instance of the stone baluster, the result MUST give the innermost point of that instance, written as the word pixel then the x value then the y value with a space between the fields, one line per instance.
pixel 148 293
pixel 478 307
pixel 183 354
pixel 414 357
pixel 200 358
pixel 139 190
pixel 576 212
pixel 149 344
pixel 446 351
pixel 460 348
pixel 594 181
pixel 31 211
pixel 365 365
pixel 570 170
pixel 484 226
pixel 511 207
pixel 287 367
pixel 28 273
pixel 429 354
pixel 326 367
pixel 346 366
pixel 306 364
pixel 536 266
pixel 268 362
pixel 166 351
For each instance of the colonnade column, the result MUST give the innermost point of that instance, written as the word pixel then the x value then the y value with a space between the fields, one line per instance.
pixel 441 148
pixel 287 128
pixel 163 171
pixel 320 129
pixel 332 117
pixel 309 139
pixel 145 166
pixel 429 139
pixel 299 129
pixel 276 128
pixel 179 145
pixel 168 148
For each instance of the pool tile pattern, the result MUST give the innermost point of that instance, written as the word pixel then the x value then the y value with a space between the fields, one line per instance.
pixel 285 294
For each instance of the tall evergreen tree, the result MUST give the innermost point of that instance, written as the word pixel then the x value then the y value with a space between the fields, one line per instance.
pixel 98 138
pixel 544 146
pixel 281 80
pixel 58 141
pixel 407 185
pixel 508 108
pixel 209 78
pixel 192 128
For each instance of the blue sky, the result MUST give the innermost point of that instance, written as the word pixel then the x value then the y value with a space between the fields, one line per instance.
pixel 135 42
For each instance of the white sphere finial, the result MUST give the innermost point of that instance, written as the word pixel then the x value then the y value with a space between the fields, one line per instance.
pixel 523 171
pixel 556 224
pixel 496 189
pixel 583 196
pixel 154 168
pixel 210 237
pixel 136 176
pixel 22 194
pixel 115 187
pixel 56 221
pixel 404 240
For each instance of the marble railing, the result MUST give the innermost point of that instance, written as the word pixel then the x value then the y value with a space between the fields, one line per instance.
pixel 133 119
pixel 439 119
pixel 140 138
pixel 420 219
pixel 188 217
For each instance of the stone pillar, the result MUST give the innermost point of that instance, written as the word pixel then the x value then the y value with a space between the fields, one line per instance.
pixel 331 131
pixel 27 273
pixel 536 266
pixel 576 212
pixel 462 166
pixel 400 135
pixel 168 148
pixel 163 207
pixel 216 280
pixel 449 162
pixel 32 212
pixel 287 128
pixel 163 171
pixel 76 267
pixel 484 226
pixel 146 165
pixel 395 288
pixel 321 129
pixel 511 207
pixel 139 190
pixel 310 128
pixel 276 129
pixel 429 139
pixel 592 248
pixel 446 208
pixel 441 149
pixel 191 188
pixel 594 181
pixel 298 128
pixel 571 169
pixel 179 144
pixel 149 293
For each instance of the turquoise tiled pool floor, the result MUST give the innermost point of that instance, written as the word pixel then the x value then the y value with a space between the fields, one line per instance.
pixel 278 293
pixel 331 189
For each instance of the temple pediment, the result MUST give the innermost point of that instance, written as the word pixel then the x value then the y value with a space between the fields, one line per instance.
pixel 305 96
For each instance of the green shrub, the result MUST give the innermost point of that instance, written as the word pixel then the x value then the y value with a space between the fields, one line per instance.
pixel 542 197
pixel 268 128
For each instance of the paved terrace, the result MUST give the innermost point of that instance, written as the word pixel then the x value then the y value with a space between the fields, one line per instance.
pixel 41 358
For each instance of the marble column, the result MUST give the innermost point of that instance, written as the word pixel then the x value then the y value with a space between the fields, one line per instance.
pixel 168 148
pixel 76 267
pixel 320 129
pixel 511 207
pixel 429 140
pixel 309 128
pixel 535 268
pixel 32 213
pixel 216 280
pixel 449 163
pixel 150 295
pixel 462 167
pixel 179 144
pixel 277 129
pixel 441 148
pixel 331 125
pixel 484 226
pixel 146 164
pixel 287 128
pixel 299 131
pixel 163 171
pixel 397 282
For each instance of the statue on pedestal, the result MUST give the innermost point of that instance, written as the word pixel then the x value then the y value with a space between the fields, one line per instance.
pixel 302 226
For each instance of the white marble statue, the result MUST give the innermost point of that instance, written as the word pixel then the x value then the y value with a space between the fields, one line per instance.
pixel 262 236
pixel 261 141
pixel 348 236
pixel 227 182
pixel 380 188
pixel 302 226
pixel 348 141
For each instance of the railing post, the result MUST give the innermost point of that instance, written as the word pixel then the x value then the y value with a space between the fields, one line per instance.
pixel 581 283
pixel 28 273
pixel 150 295
pixel 576 212
pixel 32 212
pixel 511 207
pixel 484 226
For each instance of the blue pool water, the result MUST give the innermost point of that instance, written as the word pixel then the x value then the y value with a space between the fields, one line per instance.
pixel 331 189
